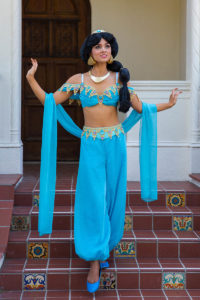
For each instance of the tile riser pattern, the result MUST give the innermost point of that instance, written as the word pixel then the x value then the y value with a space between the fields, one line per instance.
pixel 139 277
pixel 76 280
pixel 133 198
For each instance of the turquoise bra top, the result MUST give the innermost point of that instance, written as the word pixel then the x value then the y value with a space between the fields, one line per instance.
pixel 86 95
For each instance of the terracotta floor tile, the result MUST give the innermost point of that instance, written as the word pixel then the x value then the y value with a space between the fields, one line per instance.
pixel 128 210
pixel 133 186
pixel 81 294
pixel 60 235
pixel 171 264
pixel 80 263
pixel 144 234
pixel 9 179
pixel 140 209
pixel 5 216
pixel 186 235
pixel 170 186
pixel 146 249
pixel 58 281
pixel 16 250
pixel 150 280
pixel 149 265
pixel 165 235
pixel 196 223
pixel 59 249
pixel 190 249
pixel 156 293
pixel 167 250
pixel 34 236
pixel 18 236
pixel 195 176
pixel 8 295
pixel 13 266
pixel 6 204
pixel 129 293
pixel 4 233
pixel 128 235
pixel 194 292
pixel 191 263
pixel 152 266
pixel 21 210
pixel 153 298
pixel 35 265
pixel 142 222
pixel 128 280
pixel 32 295
pixel 126 264
pixel 180 210
pixel 160 210
pixel 58 294
pixel 162 222
pixel 8 281
pixel 176 293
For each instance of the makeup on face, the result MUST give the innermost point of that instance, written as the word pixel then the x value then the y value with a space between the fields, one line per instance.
pixel 103 47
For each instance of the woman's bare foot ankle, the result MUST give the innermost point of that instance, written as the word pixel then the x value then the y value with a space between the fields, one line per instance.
pixel 93 275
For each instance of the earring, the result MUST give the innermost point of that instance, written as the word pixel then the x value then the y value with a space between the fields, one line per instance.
pixel 91 61
pixel 110 60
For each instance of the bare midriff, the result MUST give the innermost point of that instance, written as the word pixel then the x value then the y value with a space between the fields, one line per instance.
pixel 100 115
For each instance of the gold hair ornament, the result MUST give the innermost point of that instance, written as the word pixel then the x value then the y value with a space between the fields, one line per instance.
pixel 98 30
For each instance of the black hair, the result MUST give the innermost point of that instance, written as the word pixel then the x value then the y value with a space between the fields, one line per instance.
pixel 116 66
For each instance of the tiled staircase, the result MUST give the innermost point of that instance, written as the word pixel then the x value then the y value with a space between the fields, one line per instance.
pixel 157 258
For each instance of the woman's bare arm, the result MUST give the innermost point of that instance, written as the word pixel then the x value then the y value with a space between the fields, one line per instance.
pixel 172 100
pixel 59 96
pixel 136 103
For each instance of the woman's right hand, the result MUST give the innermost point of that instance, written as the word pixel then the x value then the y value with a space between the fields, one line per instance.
pixel 33 69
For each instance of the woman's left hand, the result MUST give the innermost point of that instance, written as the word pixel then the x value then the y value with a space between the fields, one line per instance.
pixel 173 97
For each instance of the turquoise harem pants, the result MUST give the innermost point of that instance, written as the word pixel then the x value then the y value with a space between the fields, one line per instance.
pixel 100 199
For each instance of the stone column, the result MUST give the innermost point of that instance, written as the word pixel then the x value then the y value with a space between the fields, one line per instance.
pixel 193 75
pixel 11 150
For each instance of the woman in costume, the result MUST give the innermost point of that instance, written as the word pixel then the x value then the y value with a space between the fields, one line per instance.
pixel 100 198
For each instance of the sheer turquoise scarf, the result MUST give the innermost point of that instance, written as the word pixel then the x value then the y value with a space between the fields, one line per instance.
pixel 147 154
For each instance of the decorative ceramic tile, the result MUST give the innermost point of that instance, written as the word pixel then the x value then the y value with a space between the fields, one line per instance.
pixel 37 250
pixel 173 280
pixel 36 200
pixel 182 223
pixel 175 199
pixel 20 223
pixel 108 280
pixel 34 281
pixel 125 249
pixel 128 223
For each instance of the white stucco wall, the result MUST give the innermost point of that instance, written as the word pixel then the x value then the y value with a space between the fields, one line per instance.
pixel 150 33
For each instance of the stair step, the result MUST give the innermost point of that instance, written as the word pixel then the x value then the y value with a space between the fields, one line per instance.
pixel 64 274
pixel 138 218
pixel 103 294
pixel 26 191
pixel 195 176
pixel 160 241
pixel 137 243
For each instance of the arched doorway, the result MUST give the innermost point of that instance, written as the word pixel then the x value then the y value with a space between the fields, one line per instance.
pixel 52 32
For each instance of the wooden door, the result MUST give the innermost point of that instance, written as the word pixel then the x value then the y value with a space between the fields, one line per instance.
pixel 53 31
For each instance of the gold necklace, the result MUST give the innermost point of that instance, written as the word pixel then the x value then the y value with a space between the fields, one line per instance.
pixel 99 78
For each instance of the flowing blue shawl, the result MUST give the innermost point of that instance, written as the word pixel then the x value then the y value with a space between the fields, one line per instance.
pixel 147 154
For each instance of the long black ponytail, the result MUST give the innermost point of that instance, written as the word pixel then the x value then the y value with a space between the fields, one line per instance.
pixel 116 66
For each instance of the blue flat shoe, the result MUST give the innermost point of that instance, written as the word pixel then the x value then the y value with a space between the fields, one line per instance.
pixel 93 287
pixel 104 264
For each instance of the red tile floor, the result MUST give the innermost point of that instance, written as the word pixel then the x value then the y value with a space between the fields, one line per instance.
pixel 157 258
